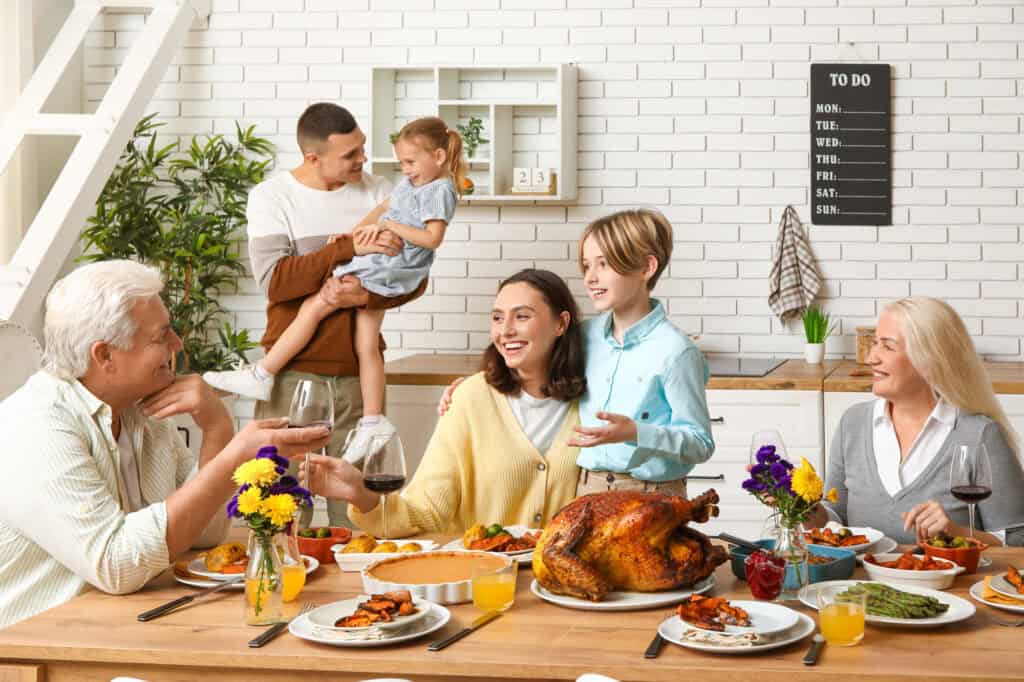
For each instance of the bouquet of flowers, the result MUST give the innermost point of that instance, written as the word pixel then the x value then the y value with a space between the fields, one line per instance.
pixel 793 491
pixel 267 500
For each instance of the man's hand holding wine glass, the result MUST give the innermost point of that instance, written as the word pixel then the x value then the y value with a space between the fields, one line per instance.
pixel 335 478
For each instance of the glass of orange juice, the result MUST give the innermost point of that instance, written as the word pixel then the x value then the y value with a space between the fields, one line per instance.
pixel 293 567
pixel 841 614
pixel 495 589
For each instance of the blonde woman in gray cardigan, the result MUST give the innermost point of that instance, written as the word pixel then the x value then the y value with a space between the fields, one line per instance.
pixel 890 457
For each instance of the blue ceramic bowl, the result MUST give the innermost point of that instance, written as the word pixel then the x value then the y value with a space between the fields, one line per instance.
pixel 839 569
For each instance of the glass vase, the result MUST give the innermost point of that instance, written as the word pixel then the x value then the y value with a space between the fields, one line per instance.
pixel 791 546
pixel 264 604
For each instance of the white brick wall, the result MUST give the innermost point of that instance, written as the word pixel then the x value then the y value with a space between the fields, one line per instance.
pixel 696 108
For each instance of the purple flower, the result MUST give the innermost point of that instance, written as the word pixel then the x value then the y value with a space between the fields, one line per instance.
pixel 778 470
pixel 786 463
pixel 270 452
pixel 232 508
pixel 758 470
pixel 766 455
pixel 752 486
pixel 784 484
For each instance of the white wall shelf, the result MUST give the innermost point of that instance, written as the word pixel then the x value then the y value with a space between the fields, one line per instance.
pixel 529 115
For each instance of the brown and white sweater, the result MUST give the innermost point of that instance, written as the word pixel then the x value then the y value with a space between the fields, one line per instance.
pixel 289 224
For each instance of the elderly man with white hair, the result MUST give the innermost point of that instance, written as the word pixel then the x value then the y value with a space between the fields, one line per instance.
pixel 101 490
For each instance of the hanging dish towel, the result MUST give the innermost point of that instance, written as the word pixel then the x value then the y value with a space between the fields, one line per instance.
pixel 794 279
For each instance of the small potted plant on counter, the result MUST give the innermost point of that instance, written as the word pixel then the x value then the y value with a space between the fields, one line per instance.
pixel 818 326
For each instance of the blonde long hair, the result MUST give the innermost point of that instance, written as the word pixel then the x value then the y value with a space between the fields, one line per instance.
pixel 942 352
pixel 432 133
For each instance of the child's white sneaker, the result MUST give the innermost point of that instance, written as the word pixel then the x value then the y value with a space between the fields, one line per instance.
pixel 375 428
pixel 241 381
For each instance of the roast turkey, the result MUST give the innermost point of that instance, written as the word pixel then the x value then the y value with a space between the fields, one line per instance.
pixel 626 540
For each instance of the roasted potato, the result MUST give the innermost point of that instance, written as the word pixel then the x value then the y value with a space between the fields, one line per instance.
pixel 410 547
pixel 363 544
pixel 222 555
pixel 474 533
pixel 386 548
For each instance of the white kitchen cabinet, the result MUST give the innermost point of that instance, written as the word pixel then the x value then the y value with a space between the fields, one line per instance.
pixel 413 410
pixel 736 415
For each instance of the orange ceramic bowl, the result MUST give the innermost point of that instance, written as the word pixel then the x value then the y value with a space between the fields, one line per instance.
pixel 320 548
pixel 965 556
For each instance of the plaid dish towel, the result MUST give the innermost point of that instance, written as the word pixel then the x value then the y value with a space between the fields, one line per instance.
pixel 794 279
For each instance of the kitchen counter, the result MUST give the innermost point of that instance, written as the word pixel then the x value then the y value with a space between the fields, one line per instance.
pixel 426 369
pixel 849 377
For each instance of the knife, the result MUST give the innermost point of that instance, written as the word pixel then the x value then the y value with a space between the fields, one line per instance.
pixel 746 544
pixel 654 648
pixel 812 654
pixel 181 601
pixel 482 620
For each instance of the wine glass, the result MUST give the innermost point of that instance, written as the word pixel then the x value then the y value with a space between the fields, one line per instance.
pixel 970 477
pixel 384 470
pixel 766 437
pixel 312 405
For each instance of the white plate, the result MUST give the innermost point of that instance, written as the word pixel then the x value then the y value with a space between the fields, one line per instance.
pixel 765 618
pixel 883 546
pixel 357 561
pixel 1000 584
pixel 327 615
pixel 672 629
pixel 978 589
pixel 438 617
pixel 523 556
pixel 622 600
pixel 311 565
pixel 959 609
pixel 872 535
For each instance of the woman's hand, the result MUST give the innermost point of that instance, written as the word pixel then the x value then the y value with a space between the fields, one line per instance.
pixel 620 429
pixel 446 398
pixel 337 479
pixel 928 519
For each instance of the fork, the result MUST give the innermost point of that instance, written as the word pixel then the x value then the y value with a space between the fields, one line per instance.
pixel 1008 623
pixel 274 630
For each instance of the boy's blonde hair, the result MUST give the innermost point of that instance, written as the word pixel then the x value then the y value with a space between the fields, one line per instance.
pixel 940 349
pixel 627 238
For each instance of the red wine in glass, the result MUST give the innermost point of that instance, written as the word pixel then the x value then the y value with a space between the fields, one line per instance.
pixel 971 494
pixel 383 483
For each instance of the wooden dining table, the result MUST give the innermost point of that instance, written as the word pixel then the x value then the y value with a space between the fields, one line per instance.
pixel 97 637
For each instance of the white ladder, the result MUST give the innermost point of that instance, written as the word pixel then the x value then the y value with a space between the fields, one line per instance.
pixel 54 231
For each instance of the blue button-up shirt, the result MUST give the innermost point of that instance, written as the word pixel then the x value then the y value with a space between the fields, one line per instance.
pixel 656 376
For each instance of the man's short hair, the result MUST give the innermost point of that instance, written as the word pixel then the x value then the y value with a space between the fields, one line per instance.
pixel 321 120
pixel 94 303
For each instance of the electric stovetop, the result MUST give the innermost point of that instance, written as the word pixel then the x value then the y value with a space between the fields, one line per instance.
pixel 742 367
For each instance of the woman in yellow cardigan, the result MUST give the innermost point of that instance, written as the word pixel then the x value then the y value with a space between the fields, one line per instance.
pixel 500 454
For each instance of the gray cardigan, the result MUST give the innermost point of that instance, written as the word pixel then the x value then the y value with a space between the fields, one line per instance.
pixel 864 501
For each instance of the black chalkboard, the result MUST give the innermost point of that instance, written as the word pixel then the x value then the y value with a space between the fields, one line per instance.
pixel 851 132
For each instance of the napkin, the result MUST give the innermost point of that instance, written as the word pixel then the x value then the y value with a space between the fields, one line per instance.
pixel 991 595
pixel 794 280
pixel 746 639
pixel 370 634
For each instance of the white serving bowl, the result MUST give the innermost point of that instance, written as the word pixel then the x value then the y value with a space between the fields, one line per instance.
pixel 452 592
pixel 935 580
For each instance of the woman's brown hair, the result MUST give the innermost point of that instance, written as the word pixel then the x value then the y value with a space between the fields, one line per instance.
pixel 566 378
pixel 432 133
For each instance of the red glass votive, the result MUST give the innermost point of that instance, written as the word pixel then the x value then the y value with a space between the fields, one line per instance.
pixel 765 574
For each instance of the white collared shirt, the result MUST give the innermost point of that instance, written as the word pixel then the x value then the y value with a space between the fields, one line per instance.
pixel 895 474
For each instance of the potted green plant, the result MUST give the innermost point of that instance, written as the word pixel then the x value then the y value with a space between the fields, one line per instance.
pixel 472 135
pixel 818 326
pixel 182 210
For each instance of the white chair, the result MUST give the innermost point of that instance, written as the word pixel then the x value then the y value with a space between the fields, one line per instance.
pixel 22 356
pixel 594 677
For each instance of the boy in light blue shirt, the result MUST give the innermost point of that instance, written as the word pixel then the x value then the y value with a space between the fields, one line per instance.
pixel 644 418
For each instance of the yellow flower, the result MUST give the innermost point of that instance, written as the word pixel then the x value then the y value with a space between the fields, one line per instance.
pixel 806 483
pixel 261 472
pixel 832 496
pixel 249 501
pixel 279 508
